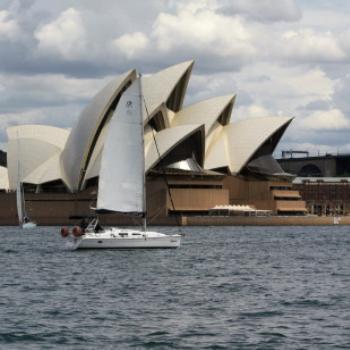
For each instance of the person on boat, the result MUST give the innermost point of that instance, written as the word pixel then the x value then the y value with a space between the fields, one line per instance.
pixel 25 219
pixel 83 224
pixel 98 227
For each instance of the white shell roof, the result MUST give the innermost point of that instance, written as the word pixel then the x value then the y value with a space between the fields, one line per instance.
pixel 205 112
pixel 80 140
pixel 4 178
pixel 31 146
pixel 166 141
pixel 48 171
pixel 237 142
pixel 158 87
pixel 45 133
pixel 93 169
pixel 47 153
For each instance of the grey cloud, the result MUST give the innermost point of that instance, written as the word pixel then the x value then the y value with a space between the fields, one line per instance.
pixel 215 72
pixel 342 95
pixel 322 137
pixel 263 10
pixel 315 105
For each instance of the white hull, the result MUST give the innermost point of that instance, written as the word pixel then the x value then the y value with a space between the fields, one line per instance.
pixel 28 225
pixel 126 239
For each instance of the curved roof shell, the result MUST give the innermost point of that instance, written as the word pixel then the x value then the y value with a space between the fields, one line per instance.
pixel 80 144
pixel 167 87
pixel 201 131
pixel 4 179
pixel 159 145
pixel 235 144
pixel 48 171
pixel 207 112
pixel 31 146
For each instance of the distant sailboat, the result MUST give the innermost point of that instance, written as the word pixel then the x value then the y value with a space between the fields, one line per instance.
pixel 122 182
pixel 23 219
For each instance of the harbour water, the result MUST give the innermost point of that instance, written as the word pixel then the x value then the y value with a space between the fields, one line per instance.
pixel 225 288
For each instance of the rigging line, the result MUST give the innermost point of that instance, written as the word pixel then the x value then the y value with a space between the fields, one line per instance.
pixel 156 214
pixel 164 173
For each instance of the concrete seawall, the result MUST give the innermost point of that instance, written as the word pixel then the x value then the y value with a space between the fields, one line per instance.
pixel 265 221
pixel 56 209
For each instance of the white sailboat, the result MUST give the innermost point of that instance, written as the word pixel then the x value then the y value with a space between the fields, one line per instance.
pixel 23 219
pixel 122 181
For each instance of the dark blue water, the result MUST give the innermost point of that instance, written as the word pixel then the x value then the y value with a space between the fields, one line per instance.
pixel 225 288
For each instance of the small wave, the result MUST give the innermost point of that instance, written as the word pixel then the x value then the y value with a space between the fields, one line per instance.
pixel 158 344
pixel 198 334
pixel 20 337
pixel 10 251
pixel 273 334
pixel 157 333
pixel 259 314
pixel 306 303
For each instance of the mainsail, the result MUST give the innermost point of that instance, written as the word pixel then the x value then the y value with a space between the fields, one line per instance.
pixel 121 179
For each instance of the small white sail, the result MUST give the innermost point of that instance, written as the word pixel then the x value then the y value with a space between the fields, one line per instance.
pixel 19 203
pixel 19 188
pixel 121 179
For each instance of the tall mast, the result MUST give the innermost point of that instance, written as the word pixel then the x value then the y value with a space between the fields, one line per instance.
pixel 19 188
pixel 144 214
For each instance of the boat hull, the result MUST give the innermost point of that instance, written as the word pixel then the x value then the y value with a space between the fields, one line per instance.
pixel 29 225
pixel 122 239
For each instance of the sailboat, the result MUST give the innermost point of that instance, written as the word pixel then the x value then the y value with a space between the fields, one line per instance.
pixel 23 218
pixel 121 186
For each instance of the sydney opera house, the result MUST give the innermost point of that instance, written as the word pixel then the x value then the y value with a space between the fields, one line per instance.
pixel 196 156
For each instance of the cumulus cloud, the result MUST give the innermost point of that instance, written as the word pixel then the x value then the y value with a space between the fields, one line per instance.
pixel 279 57
pixel 202 31
pixel 344 40
pixel 65 35
pixel 21 93
pixel 131 44
pixel 286 88
pixel 342 93
pixel 333 119
pixel 252 111
pixel 9 28
pixel 307 45
pixel 264 10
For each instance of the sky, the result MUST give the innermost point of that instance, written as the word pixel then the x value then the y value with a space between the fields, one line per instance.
pixel 280 57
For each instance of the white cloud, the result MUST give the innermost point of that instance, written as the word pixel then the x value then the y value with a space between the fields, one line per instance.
pixel 344 40
pixel 201 29
pixel 333 119
pixel 131 44
pixel 251 111
pixel 265 10
pixel 285 89
pixel 9 28
pixel 308 45
pixel 65 35
pixel 27 117
pixel 273 56
pixel 46 90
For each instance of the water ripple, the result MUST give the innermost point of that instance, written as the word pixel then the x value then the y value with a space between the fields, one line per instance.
pixel 225 288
